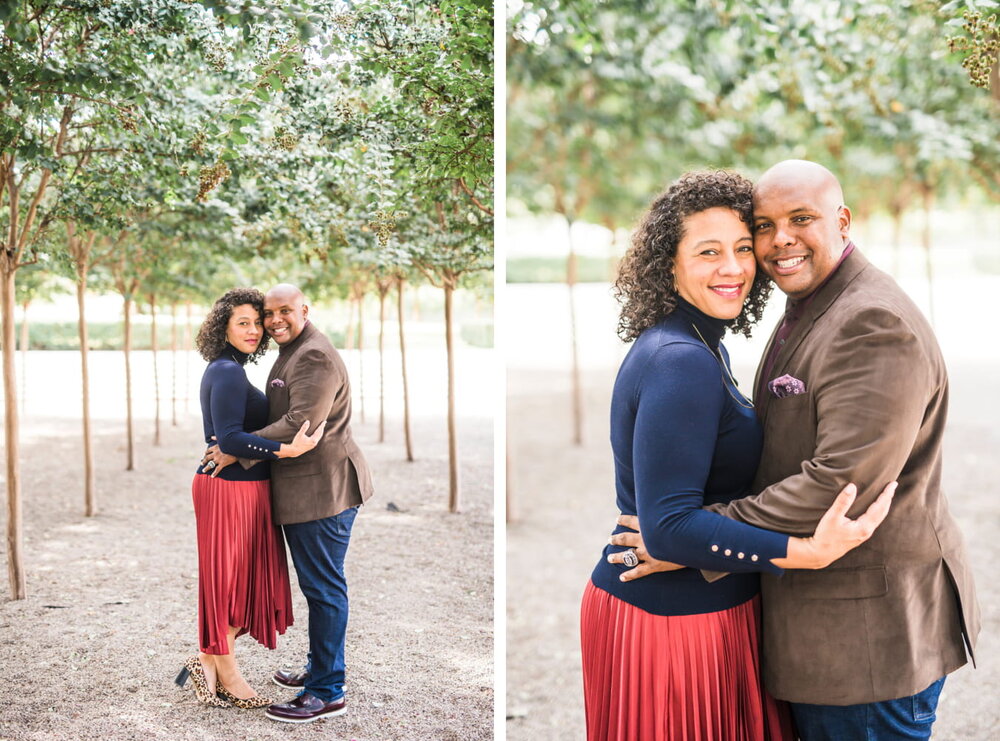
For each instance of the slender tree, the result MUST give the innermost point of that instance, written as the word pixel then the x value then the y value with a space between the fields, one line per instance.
pixel 400 281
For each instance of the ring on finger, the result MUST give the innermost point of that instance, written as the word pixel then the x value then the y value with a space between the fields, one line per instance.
pixel 630 559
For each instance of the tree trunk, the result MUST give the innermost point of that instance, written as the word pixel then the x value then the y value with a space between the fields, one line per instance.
pixel 896 211
pixel 571 279
pixel 127 347
pixel 156 371
pixel 24 355
pixel 453 483
pixel 927 191
pixel 361 355
pixel 89 486
pixel 349 334
pixel 383 291
pixel 400 285
pixel 15 567
pixel 173 363
pixel 187 356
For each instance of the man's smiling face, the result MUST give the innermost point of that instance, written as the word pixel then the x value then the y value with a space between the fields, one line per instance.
pixel 800 227
pixel 285 313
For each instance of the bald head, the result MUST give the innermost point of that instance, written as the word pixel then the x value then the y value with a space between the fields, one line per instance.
pixel 802 175
pixel 286 291
pixel 801 225
pixel 285 312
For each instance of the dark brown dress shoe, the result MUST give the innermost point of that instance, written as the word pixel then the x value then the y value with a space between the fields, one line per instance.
pixel 290 680
pixel 305 709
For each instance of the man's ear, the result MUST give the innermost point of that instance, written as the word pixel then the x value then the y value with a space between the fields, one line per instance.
pixel 844 221
pixel 305 311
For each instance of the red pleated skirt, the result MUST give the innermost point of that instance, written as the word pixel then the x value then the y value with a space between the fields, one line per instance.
pixel 242 571
pixel 675 678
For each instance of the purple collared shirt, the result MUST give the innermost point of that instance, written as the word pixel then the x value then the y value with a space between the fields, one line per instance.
pixel 793 313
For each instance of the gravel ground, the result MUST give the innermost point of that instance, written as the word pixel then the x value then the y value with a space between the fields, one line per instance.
pixel 563 497
pixel 111 612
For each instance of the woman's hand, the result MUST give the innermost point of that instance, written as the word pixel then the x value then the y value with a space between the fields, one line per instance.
pixel 302 443
pixel 836 533
pixel 647 564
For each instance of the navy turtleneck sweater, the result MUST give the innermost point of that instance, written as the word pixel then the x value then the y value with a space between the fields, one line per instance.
pixel 682 438
pixel 230 405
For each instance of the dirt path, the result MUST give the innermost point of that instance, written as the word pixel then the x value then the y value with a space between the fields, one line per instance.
pixel 565 498
pixel 110 617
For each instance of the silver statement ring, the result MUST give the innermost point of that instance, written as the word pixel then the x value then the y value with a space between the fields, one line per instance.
pixel 630 559
pixel 210 465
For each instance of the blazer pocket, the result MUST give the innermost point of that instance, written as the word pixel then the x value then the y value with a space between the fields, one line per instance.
pixel 296 467
pixel 857 583
pixel 790 403
pixel 277 398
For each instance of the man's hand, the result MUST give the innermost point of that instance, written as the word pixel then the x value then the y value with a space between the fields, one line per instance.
pixel 836 533
pixel 647 564
pixel 216 456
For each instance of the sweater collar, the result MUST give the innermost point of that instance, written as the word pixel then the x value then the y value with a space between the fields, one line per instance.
pixel 710 328
pixel 232 352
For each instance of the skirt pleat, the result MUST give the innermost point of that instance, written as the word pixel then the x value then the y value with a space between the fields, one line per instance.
pixel 675 677
pixel 242 570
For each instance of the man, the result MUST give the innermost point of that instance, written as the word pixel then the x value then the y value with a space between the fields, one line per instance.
pixel 314 497
pixel 862 647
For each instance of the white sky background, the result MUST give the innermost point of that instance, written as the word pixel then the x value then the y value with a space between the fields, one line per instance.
pixel 536 316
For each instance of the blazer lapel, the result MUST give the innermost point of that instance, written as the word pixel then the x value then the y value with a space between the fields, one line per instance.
pixel 761 404
pixel 284 357
pixel 850 269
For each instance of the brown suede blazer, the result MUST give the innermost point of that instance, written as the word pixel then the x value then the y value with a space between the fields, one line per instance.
pixel 898 612
pixel 309 382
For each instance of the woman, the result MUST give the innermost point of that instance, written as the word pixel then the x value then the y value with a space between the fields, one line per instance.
pixel 242 574
pixel 672 656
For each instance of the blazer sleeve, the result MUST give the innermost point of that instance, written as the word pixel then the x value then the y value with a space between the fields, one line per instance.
pixel 312 388
pixel 871 397
pixel 678 406
pixel 227 401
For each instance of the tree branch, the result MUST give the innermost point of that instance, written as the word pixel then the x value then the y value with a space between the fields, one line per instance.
pixel 43 184
pixel 50 91
pixel 481 206
pixel 92 151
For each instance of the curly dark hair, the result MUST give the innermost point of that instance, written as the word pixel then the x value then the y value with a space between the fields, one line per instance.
pixel 645 285
pixel 211 340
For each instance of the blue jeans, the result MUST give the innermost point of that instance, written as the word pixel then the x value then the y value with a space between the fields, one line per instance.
pixel 904 719
pixel 318 549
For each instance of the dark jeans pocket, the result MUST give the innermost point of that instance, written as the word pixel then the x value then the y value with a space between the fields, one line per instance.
pixel 925 703
pixel 345 521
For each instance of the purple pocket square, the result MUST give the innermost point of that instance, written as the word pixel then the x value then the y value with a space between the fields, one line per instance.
pixel 277 383
pixel 786 386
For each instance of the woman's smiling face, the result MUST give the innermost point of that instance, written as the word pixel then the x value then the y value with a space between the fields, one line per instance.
pixel 714 267
pixel 244 329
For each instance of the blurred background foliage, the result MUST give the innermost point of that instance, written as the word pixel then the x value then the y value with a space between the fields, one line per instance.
pixel 167 150
pixel 608 101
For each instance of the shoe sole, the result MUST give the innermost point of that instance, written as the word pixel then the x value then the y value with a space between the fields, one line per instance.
pixel 321 716
pixel 287 686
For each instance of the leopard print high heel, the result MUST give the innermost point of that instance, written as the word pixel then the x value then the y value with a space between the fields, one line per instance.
pixel 194 669
pixel 248 703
